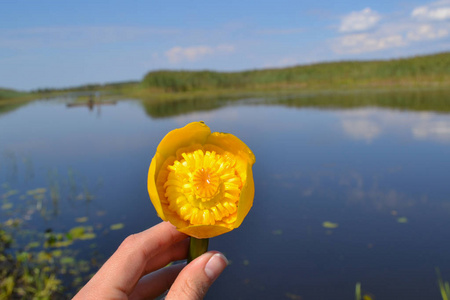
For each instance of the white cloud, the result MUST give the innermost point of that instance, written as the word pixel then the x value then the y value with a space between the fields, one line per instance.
pixel 363 42
pixel 426 32
pixel 423 25
pixel 436 11
pixel 179 54
pixel 359 21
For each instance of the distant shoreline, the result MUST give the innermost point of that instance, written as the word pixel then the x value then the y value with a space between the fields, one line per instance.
pixel 420 72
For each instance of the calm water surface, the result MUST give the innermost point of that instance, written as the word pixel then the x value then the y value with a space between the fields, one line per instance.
pixel 342 195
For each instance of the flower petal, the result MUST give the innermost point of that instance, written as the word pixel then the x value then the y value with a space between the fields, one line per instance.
pixel 156 164
pixel 233 144
pixel 192 133
pixel 246 198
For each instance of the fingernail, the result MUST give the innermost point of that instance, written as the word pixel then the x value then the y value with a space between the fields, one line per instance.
pixel 215 265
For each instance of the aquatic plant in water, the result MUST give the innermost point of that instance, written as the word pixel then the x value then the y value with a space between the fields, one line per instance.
pixel 444 286
pixel 45 265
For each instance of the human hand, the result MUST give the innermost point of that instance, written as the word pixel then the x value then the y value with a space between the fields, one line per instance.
pixel 134 270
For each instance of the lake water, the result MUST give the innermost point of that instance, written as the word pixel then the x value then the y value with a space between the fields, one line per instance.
pixel 348 191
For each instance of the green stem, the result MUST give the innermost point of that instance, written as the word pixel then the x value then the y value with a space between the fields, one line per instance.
pixel 196 248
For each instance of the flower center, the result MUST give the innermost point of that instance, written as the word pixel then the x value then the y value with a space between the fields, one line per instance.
pixel 206 183
pixel 203 188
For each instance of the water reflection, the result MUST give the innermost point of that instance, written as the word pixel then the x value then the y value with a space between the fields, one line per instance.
pixel 367 124
pixel 361 129
pixel 433 130
pixel 169 108
pixel 418 100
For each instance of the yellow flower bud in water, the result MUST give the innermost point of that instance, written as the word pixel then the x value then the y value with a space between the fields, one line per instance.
pixel 202 182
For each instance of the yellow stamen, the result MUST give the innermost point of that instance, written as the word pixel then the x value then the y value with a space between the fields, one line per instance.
pixel 203 188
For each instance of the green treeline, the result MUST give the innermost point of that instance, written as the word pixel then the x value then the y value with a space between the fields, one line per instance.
pixel 427 70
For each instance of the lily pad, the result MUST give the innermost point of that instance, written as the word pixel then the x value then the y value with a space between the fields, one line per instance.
pixel 37 191
pixel 62 244
pixel 293 296
pixel 44 257
pixel 13 222
pixel 88 236
pixel 10 193
pixel 117 226
pixel 33 245
pixel 67 260
pixel 81 220
pixel 402 220
pixel 330 225
pixel 77 232
pixel 7 206
pixel 23 256
pixel 38 197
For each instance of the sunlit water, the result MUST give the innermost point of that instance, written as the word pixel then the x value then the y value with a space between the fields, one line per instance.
pixel 342 196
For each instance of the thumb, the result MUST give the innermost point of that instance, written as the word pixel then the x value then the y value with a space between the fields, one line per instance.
pixel 195 279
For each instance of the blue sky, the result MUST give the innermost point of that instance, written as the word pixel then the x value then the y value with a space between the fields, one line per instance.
pixel 62 43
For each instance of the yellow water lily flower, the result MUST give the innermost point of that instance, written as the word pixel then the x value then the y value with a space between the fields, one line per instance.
pixel 202 182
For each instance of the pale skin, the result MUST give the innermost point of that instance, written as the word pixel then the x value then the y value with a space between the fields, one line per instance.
pixel 136 270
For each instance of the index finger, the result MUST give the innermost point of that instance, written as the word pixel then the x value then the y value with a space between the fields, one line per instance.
pixel 125 267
